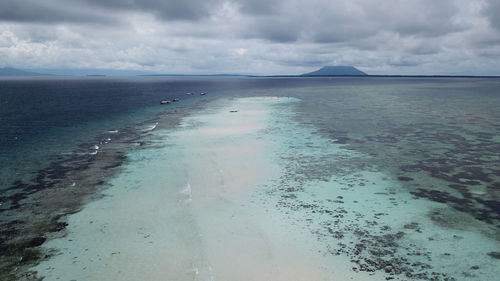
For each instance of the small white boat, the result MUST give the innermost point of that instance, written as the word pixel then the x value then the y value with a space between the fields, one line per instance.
pixel 176 99
pixel 164 102
pixel 202 94
pixel 188 94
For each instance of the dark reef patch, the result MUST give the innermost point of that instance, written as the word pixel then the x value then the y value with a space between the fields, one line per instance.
pixel 32 209
pixel 405 179
pixel 487 210
pixel 441 146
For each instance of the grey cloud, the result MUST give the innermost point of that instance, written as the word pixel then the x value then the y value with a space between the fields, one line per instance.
pixel 487 42
pixel 273 29
pixel 251 36
pixel 416 17
pixel 403 62
pixel 44 11
pixel 306 62
pixel 102 11
pixel 166 10
pixel 259 7
pixel 424 49
pixel 321 21
pixel 489 53
pixel 492 10
pixel 326 21
pixel 338 33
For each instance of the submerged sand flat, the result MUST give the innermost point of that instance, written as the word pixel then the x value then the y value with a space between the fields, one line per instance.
pixel 254 195
pixel 191 210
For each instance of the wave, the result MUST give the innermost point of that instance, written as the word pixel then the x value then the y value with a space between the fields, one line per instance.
pixel 95 148
pixel 150 128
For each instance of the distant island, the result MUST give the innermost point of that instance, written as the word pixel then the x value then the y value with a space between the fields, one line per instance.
pixel 324 71
pixel 201 75
pixel 87 72
pixel 336 71
pixel 9 71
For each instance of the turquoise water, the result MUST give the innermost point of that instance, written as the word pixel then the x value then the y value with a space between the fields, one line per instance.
pixel 367 179
pixel 358 210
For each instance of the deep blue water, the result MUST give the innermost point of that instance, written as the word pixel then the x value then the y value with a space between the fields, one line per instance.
pixel 44 112
pixel 43 117
pixel 32 107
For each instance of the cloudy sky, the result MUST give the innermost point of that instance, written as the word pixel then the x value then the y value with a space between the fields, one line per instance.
pixel 253 36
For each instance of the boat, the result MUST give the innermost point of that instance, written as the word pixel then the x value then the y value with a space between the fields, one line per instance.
pixel 176 99
pixel 202 94
pixel 188 94
pixel 164 102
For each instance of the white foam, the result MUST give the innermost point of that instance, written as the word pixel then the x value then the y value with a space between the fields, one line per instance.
pixel 186 191
pixel 150 128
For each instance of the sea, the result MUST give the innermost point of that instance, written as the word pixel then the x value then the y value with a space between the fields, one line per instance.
pixel 398 176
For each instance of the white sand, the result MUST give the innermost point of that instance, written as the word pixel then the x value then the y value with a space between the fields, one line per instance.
pixel 191 211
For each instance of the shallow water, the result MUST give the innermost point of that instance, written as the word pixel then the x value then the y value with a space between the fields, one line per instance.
pixel 188 211
pixel 358 178
pixel 361 211
pixel 242 190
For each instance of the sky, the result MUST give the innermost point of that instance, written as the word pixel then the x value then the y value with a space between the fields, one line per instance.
pixel 253 36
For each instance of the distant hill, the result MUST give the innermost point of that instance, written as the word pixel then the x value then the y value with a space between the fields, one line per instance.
pixel 9 71
pixel 199 75
pixel 91 72
pixel 336 71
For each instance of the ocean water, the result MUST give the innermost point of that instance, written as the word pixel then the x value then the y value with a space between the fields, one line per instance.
pixel 390 177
